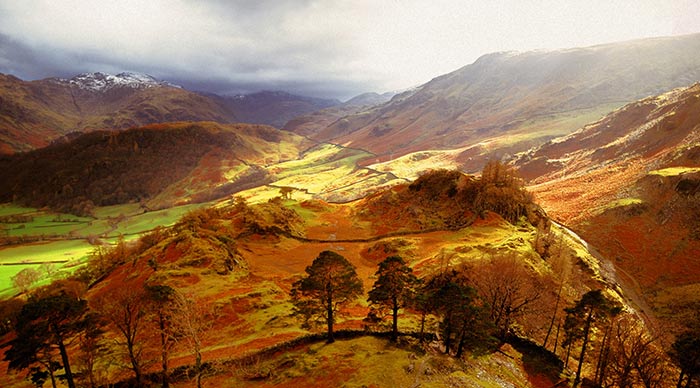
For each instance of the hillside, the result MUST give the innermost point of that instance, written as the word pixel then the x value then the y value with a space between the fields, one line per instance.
pixel 629 185
pixel 158 165
pixel 508 102
pixel 238 262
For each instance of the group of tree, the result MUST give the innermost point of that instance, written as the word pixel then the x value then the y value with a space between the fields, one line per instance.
pixel 451 199
pixel 133 323
pixel 477 307
pixel 468 319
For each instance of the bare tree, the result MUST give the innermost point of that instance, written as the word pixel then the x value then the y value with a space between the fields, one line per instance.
pixel 125 308
pixel 632 357
pixel 561 268
pixel 508 288
pixel 191 321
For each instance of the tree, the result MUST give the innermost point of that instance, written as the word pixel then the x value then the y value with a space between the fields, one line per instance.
pixel 126 308
pixel 331 282
pixel 630 357
pixel 162 300
pixel 46 322
pixel 464 319
pixel 91 348
pixel 25 278
pixel 190 321
pixel 394 288
pixel 685 352
pixel 506 286
pixel 502 191
pixel 592 309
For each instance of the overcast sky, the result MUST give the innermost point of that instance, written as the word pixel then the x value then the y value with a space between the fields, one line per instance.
pixel 324 48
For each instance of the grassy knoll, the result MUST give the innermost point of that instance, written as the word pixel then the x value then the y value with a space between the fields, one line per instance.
pixel 374 362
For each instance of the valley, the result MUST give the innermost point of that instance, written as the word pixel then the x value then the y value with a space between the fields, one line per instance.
pixel 540 210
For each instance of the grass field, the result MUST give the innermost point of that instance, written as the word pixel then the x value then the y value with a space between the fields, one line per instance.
pixel 64 237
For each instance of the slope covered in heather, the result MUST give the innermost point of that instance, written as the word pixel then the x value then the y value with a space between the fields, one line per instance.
pixel 629 184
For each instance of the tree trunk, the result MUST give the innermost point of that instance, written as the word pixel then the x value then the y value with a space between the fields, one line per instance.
pixel 329 319
pixel 395 323
pixel 198 363
pixel 134 362
pixel 64 357
pixel 586 333
pixel 448 334
pixel 554 316
pixel 53 378
pixel 463 335
pixel 680 380
pixel 556 338
pixel 602 357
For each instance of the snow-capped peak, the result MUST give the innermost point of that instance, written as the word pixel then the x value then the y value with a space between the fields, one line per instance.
pixel 102 82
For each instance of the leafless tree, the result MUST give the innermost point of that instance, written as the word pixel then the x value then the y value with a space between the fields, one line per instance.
pixel 506 285
pixel 192 319
pixel 125 308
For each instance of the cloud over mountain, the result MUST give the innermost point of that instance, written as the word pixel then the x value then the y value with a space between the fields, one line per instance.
pixel 321 48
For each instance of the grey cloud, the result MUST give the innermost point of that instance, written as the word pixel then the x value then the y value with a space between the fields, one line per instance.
pixel 262 57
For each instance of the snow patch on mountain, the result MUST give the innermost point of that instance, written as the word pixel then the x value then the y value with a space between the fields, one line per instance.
pixel 101 82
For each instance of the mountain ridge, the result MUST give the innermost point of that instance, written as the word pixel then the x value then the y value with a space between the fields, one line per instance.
pixel 35 113
pixel 514 101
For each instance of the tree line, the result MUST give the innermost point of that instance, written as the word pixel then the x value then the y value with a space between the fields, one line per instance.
pixel 478 310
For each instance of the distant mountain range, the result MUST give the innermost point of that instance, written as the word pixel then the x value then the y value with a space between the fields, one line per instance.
pixel 35 113
pixel 507 102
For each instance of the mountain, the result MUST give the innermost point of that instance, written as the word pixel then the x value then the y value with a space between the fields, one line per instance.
pixel 34 113
pixel 273 108
pixel 314 122
pixel 102 82
pixel 629 184
pixel 369 99
pixel 507 102
pixel 158 165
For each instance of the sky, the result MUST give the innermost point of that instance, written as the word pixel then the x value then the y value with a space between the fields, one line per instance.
pixel 324 48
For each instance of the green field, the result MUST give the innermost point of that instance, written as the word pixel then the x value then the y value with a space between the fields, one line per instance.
pixel 63 238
